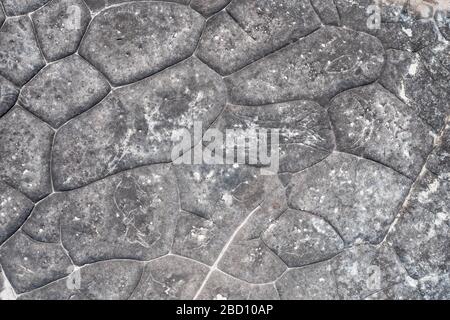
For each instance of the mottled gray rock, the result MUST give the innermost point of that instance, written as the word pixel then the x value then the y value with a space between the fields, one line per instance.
pixel 300 238
pixel 406 76
pixel 208 7
pixel 399 27
pixel 421 235
pixel 443 21
pixel 217 200
pixel 14 209
pixel 63 90
pixel 134 125
pixel 305 134
pixel 6 291
pixel 359 197
pixel 130 215
pixel 170 278
pixel 371 122
pixel 25 147
pixel 2 15
pixel 252 261
pixel 327 11
pixel 439 160
pixel 314 282
pixel 97 5
pixel 437 61
pixel 435 287
pixel 105 280
pixel 356 273
pixel 142 38
pixel 19 7
pixel 316 67
pixel 20 56
pixel 60 26
pixel 248 30
pixel 29 264
pixel 221 286
pixel 407 290
pixel 8 95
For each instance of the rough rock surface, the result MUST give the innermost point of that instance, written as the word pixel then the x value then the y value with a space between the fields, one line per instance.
pixel 128 136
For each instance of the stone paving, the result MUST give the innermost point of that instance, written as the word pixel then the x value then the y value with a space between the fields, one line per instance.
pixel 93 205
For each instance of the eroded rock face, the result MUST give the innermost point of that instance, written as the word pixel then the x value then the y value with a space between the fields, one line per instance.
pixel 137 122
pixel 224 287
pixel 29 264
pixel 20 57
pixel 106 280
pixel 14 209
pixel 142 38
pixel 248 30
pixel 60 26
pixel 25 147
pixel 63 90
pixel 355 274
pixel 8 95
pixel 359 197
pixel 305 134
pixel 373 123
pixel 19 7
pixel 170 278
pixel 339 59
pixel 127 216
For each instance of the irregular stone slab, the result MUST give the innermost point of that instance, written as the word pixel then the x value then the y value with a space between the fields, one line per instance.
pixel 249 30
pixel 105 280
pixel 217 200
pixel 25 147
pixel 8 95
pixel 252 261
pixel 439 160
pixel 223 287
pixel 6 291
pixel 60 25
pixel 359 197
pixel 97 5
pixel 2 15
pixel 305 134
pixel 315 282
pixel 19 7
pixel 20 56
pixel 400 28
pixel 407 290
pixel 443 22
pixel 406 76
pixel 170 278
pixel 435 287
pixel 300 238
pixel 357 273
pixel 127 216
pixel 29 264
pixel 208 7
pixel 421 235
pixel 437 61
pixel 316 67
pixel 63 90
pixel 373 123
pixel 327 11
pixel 142 38
pixel 134 125
pixel 14 209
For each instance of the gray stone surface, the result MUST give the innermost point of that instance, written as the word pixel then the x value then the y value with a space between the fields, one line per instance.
pixel 59 27
pixel 316 67
pixel 63 90
pixel 100 201
pixel 19 7
pixel 138 122
pixel 25 148
pixel 142 38
pixel 14 209
pixel 20 56
pixel 359 197
pixel 8 95
pixel 248 30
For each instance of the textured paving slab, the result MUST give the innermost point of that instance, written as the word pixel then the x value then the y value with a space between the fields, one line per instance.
pixel 128 133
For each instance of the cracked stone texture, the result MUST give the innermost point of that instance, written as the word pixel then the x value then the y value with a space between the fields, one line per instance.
pixel 93 204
